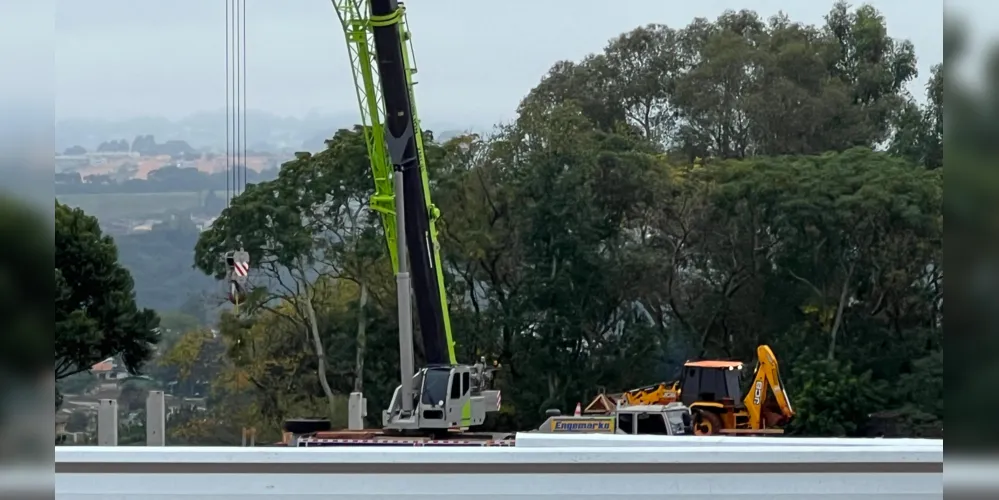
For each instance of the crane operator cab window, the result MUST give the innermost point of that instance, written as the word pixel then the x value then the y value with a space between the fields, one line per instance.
pixel 458 392
pixel 461 383
pixel 455 385
pixel 435 386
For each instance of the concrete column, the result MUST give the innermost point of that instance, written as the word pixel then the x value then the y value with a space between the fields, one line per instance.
pixel 155 419
pixel 357 409
pixel 107 422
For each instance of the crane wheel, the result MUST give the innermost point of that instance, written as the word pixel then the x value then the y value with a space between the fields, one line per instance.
pixel 706 424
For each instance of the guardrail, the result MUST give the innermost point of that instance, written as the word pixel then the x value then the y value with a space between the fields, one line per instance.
pixel 547 440
pixel 721 471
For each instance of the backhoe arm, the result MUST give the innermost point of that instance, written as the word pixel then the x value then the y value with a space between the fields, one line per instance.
pixel 661 393
pixel 767 380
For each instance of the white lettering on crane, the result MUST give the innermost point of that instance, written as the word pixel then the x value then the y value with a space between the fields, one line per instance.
pixel 758 393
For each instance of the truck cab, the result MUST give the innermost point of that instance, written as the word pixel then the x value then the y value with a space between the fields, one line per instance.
pixel 666 420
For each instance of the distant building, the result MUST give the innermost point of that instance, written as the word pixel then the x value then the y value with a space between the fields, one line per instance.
pixel 109 370
pixel 108 160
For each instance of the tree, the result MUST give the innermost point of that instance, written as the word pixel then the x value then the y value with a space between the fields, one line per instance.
pixel 918 129
pixel 160 264
pixel 192 362
pixel 305 231
pixel 534 244
pixel 832 400
pixel 113 146
pixel 721 246
pixel 686 192
pixel 741 86
pixel 972 124
pixel 96 316
pixel 25 317
pixel 856 227
pixel 78 422
pixel 875 67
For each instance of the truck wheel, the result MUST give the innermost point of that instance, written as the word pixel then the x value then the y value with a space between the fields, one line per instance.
pixel 706 424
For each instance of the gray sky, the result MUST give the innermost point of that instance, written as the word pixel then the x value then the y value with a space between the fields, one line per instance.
pixel 477 59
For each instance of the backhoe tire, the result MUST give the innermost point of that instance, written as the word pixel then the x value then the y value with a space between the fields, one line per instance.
pixel 706 423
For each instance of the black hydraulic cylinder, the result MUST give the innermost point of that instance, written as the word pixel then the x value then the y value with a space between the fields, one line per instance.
pixel 400 137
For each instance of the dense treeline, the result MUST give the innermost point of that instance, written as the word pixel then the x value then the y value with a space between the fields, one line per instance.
pixel 96 315
pixel 144 145
pixel 169 179
pixel 685 193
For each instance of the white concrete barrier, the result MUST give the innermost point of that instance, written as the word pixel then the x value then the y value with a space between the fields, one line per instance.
pixel 731 472
pixel 547 440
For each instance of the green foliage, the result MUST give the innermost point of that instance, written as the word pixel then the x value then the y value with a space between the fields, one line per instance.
pixel 95 312
pixel 685 193
pixel 308 234
pixel 25 318
pixel 133 395
pixel 173 324
pixel 78 422
pixel 78 383
pixel 160 264
pixel 971 208
pixel 832 399
pixel 920 398
pixel 742 86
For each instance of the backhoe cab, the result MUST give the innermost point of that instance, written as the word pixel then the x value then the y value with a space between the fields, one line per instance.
pixel 712 390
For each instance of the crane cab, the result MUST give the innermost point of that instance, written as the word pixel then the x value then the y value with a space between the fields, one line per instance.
pixel 446 397
pixel 444 393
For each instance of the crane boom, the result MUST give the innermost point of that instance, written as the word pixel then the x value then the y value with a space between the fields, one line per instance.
pixel 380 58
pixel 444 395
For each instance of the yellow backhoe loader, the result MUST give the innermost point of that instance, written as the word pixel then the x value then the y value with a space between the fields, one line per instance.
pixel 712 389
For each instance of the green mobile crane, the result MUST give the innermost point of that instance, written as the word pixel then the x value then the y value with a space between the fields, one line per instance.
pixel 443 395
